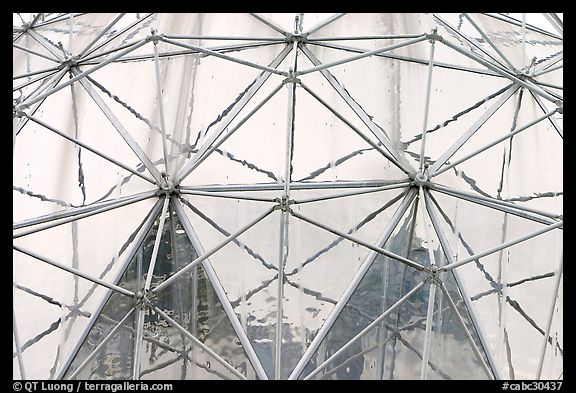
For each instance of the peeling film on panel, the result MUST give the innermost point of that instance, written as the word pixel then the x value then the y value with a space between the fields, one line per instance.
pixel 287 196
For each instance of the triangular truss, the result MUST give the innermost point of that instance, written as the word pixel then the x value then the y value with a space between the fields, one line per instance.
pixel 172 301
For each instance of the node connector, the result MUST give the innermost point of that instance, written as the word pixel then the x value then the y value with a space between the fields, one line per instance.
pixel 434 278
pixel 283 203
pixel 154 36
pixel 421 179
pixel 291 77
pixel 560 106
pixel 433 36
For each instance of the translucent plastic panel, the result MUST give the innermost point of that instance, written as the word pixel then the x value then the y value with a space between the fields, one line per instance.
pixel 75 32
pixel 382 286
pixel 509 38
pixel 451 352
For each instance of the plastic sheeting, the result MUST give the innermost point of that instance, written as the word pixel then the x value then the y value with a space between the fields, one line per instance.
pixel 205 109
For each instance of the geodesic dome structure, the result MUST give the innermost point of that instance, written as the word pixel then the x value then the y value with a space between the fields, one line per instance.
pixel 287 196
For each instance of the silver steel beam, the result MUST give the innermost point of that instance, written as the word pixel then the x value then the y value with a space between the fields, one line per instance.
pixel 428 332
pixel 137 242
pixel 101 345
pixel 161 109
pixel 558 274
pixel 32 73
pixel 18 347
pixel 270 24
pixel 361 56
pixel 426 107
pixel 228 309
pixel 122 31
pixel 138 345
pixel 501 246
pixel 225 57
pixel 238 106
pixel 559 130
pixel 489 41
pixel 76 211
pixel 324 23
pixel 33 80
pixel 295 186
pixel 368 37
pixel 134 146
pixel 353 128
pixel 459 193
pixel 491 144
pixel 47 84
pixel 99 210
pixel 461 285
pixel 515 22
pixel 199 343
pixel 472 130
pixel 210 146
pixel 27 50
pixel 100 35
pixel 379 250
pixel 524 83
pixel 352 193
pixel 352 286
pixel 366 329
pixel 154 256
pixel 75 271
pixel 219 246
pixel 377 131
pixel 231 196
pixel 226 38
pixel 91 149
pixel 466 331
pixel 46 44
pixel 88 72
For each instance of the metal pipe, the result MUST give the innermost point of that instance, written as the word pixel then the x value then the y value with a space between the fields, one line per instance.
pixel 550 317
pixel 379 250
pixel 409 59
pixel 134 146
pixel 35 53
pixel 396 217
pixel 75 211
pixel 87 60
pixel 18 347
pixel 198 159
pixel 154 256
pixel 501 247
pixel 426 107
pixel 459 193
pixel 84 215
pixel 376 130
pixel 356 130
pixel 369 37
pixel 101 34
pixel 28 75
pixel 473 129
pixel 489 41
pixel 81 75
pixel 75 271
pixel 229 38
pixel 493 143
pixel 294 186
pixel 45 43
pixel 347 194
pixel 31 81
pixel 91 149
pixel 59 18
pixel 361 56
pixel 428 332
pixel 219 246
pixel 138 345
pixel 122 31
pixel 96 350
pixel 521 82
pixel 238 106
pixel 471 42
pixel 235 196
pixel 366 329
pixel 161 108
pixel 552 120
pixel 137 242
pixel 515 22
pixel 548 67
pixel 220 292
pixel 466 331
pixel 270 24
pixel 199 343
pixel 225 57
pixel 461 285
pixel 324 23
pixel 48 83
